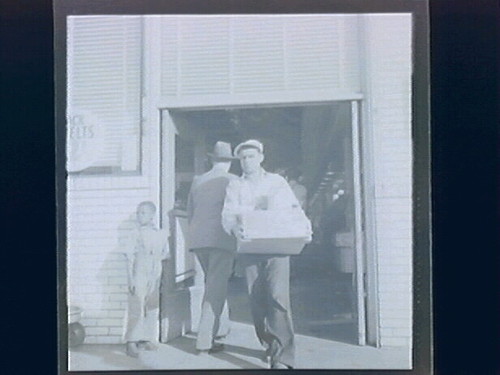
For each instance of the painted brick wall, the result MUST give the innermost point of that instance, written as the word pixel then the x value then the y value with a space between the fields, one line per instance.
pixel 97 274
pixel 100 208
pixel 388 77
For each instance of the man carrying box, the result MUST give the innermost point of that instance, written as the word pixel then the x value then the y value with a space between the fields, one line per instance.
pixel 267 275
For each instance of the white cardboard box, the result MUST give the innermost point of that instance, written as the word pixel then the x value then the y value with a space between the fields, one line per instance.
pixel 274 232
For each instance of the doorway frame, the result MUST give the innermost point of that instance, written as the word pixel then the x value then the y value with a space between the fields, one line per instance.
pixel 369 279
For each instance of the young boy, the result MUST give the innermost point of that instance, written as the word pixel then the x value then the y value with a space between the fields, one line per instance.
pixel 146 247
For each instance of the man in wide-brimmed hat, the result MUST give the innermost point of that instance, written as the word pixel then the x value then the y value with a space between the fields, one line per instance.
pixel 214 248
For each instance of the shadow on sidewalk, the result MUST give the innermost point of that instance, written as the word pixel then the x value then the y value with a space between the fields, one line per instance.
pixel 187 345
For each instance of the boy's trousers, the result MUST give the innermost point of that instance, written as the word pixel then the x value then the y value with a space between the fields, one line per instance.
pixel 217 265
pixel 143 314
pixel 268 281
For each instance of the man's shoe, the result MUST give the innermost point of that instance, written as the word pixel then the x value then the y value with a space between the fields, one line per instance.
pixel 216 347
pixel 147 345
pixel 266 358
pixel 274 353
pixel 266 355
pixel 280 366
pixel 223 335
pixel 132 350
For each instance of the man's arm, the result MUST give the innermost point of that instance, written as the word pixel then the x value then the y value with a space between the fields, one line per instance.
pixel 231 208
pixel 283 196
pixel 165 248
pixel 190 208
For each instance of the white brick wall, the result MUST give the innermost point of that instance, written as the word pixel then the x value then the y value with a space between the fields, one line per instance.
pixel 99 208
pixel 388 78
pixel 97 278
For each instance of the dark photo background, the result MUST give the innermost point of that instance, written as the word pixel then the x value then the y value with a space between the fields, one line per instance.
pixel 465 101
pixel 465 123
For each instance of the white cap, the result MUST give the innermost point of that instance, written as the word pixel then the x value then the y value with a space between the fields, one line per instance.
pixel 251 143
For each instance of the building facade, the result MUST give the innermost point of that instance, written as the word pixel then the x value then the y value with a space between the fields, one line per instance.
pixel 142 90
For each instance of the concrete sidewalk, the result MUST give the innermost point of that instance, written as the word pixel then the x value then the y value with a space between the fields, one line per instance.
pixel 242 351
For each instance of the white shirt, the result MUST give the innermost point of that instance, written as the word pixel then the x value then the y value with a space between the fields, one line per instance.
pixel 145 248
pixel 268 191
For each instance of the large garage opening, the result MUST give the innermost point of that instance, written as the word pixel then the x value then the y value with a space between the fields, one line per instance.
pixel 312 146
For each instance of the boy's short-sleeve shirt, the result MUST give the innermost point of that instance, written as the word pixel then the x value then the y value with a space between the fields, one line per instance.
pixel 148 241
pixel 146 247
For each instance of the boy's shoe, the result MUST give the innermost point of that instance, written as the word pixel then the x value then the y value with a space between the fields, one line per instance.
pixel 147 345
pixel 132 350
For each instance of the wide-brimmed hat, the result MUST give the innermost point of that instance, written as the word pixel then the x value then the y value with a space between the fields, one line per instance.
pixel 251 143
pixel 222 151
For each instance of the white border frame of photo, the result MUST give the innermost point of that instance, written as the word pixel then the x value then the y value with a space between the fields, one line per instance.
pixel 422 286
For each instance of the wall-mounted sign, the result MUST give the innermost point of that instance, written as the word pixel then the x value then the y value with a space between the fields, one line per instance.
pixel 85 140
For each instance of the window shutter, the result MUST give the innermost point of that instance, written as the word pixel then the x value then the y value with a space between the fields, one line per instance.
pixel 258 54
pixel 104 79
pixel 195 56
pixel 204 55
pixel 322 52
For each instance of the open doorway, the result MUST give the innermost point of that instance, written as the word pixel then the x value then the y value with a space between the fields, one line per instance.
pixel 313 146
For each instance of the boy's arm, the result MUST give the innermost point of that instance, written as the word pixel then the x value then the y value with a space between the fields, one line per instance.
pixel 130 272
pixel 130 248
pixel 130 265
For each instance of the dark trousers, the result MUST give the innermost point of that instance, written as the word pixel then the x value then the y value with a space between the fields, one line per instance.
pixel 217 265
pixel 268 281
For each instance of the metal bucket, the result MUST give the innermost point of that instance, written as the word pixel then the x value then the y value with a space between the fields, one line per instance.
pixel 74 314
pixel 76 332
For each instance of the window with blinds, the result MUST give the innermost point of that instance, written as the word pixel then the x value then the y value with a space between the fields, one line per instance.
pixel 104 93
pixel 204 55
